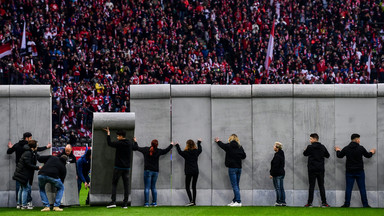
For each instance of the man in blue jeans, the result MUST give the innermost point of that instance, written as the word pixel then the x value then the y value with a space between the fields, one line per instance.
pixel 52 172
pixel 355 168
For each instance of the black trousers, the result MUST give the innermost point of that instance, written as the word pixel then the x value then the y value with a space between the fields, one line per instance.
pixel 188 179
pixel 117 173
pixel 312 176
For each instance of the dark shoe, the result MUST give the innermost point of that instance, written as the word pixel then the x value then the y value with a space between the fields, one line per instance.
pixel 111 205
pixel 125 205
pixel 325 205
pixel 308 205
pixel 154 204
pixel 344 206
pixel 367 206
pixel 283 204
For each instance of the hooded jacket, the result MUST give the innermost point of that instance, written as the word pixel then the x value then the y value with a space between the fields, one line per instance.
pixel 277 164
pixel 316 153
pixel 234 153
pixel 354 152
pixel 151 162
pixel 25 168
pixel 191 166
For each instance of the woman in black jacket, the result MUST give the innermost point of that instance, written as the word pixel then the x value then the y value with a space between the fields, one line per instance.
pixel 234 154
pixel 277 173
pixel 151 168
pixel 25 170
pixel 191 168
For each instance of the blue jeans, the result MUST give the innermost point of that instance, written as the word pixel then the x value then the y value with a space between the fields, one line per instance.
pixel 350 178
pixel 29 197
pixel 150 179
pixel 234 177
pixel 23 194
pixel 43 180
pixel 278 183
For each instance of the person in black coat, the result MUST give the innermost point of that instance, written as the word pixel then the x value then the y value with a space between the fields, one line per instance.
pixel 234 154
pixel 122 165
pixel 18 148
pixel 151 168
pixel 68 151
pixel 277 173
pixel 316 152
pixel 355 168
pixel 52 172
pixel 191 169
pixel 24 172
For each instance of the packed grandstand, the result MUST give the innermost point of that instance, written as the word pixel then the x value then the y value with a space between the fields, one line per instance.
pixel 91 51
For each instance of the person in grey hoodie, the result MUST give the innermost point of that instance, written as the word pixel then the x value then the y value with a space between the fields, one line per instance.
pixel 316 152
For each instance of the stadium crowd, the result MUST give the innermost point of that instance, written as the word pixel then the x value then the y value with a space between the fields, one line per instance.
pixel 91 51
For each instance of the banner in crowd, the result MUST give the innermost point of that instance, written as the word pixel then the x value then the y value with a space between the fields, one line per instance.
pixel 77 151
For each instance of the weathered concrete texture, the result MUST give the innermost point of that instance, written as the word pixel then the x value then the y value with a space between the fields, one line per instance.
pixel 357 116
pixel 272 121
pixel 231 116
pixel 102 167
pixel 313 116
pixel 153 121
pixel 272 91
pixel 191 114
pixel 114 120
pixel 380 144
pixel 22 109
pixel 233 91
pixel 190 91
pixel 314 91
pixel 356 91
pixel 149 91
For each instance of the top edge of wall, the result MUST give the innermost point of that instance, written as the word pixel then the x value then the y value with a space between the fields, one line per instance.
pixel 114 120
pixel 272 90
pixel 231 91
pixel 356 90
pixel 191 90
pixel 25 90
pixel 316 91
pixel 380 90
pixel 150 91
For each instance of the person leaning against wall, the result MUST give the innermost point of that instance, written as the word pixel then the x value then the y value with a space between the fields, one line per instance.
pixel 355 168
pixel 122 165
pixel 234 154
pixel 277 173
pixel 18 148
pixel 151 168
pixel 316 152
pixel 191 168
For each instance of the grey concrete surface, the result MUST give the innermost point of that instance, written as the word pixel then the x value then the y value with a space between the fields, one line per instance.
pixel 191 105
pixel 103 156
pixel 272 90
pixel 22 109
pixel 153 121
pixel 231 114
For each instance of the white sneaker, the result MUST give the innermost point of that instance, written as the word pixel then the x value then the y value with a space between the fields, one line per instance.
pixel 236 204
pixel 30 204
pixel 18 206
pixel 230 204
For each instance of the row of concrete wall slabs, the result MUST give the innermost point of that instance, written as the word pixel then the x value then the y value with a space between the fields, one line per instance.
pixel 259 115
pixel 22 108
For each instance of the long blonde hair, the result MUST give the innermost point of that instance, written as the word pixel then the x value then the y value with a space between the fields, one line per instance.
pixel 234 137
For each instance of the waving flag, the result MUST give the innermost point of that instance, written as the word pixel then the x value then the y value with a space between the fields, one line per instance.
pixel 269 57
pixel 5 50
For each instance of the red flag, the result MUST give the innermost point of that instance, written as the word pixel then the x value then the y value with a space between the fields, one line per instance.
pixel 269 57
pixel 5 50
